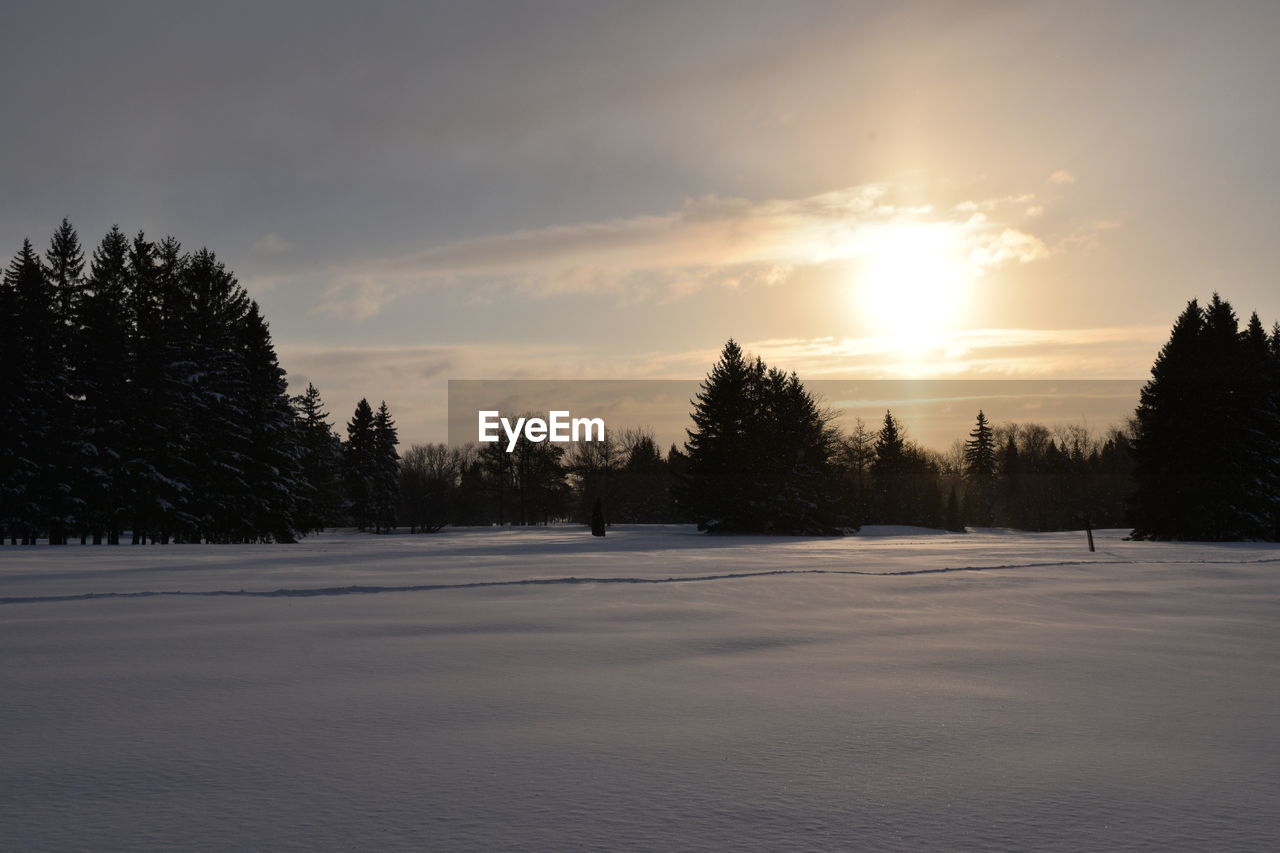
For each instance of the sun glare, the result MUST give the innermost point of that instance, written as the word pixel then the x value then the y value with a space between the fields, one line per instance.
pixel 913 283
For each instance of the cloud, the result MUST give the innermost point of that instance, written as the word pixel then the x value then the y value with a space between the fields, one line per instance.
pixel 711 241
pixel 271 244
pixel 414 379
pixel 1062 176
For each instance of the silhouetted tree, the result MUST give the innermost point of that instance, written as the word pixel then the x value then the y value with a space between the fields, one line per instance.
pixel 760 452
pixel 1206 435
pixel 360 456
pixel 319 495
pixel 980 472
pixel 386 484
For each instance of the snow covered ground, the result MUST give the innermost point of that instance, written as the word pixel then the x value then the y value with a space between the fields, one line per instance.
pixel 654 690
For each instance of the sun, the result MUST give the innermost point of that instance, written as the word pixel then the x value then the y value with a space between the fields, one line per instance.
pixel 913 283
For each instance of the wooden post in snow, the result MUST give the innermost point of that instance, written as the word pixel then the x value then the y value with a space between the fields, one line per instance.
pixel 1088 532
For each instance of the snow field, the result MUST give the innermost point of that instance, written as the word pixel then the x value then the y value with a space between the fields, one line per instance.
pixel 1038 697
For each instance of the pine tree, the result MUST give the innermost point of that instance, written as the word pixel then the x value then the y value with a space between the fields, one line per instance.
pixel 216 380
pixel 151 495
pixel 1258 451
pixel 360 464
pixel 320 499
pixel 386 470
pixel 66 264
pixel 888 470
pixel 65 267
pixel 718 447
pixel 980 472
pixel 169 394
pixel 760 454
pixel 32 485
pixel 102 375
pixel 271 463
pixel 1204 447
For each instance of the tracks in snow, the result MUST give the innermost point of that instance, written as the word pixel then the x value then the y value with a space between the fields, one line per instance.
pixel 435 587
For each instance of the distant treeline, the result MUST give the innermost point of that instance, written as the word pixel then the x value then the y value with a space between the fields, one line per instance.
pixel 1200 460
pixel 764 455
pixel 145 396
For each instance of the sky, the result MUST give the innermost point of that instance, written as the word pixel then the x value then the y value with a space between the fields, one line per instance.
pixel 418 192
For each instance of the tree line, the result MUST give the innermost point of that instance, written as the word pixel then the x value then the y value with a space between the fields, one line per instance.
pixel 764 455
pixel 140 391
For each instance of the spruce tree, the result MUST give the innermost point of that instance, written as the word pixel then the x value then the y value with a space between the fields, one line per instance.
pixel 386 470
pixel 215 389
pixel 272 471
pixel 102 375
pixel 718 448
pixel 1205 438
pixel 980 472
pixel 320 493
pixel 360 464
pixel 759 457
pixel 13 413
pixel 888 471
pixel 65 265
pixel 168 391
pixel 151 493
pixel 33 486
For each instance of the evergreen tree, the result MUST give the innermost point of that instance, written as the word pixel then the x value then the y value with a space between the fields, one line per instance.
pixel 386 484
pixel 33 490
pixel 718 447
pixel 151 494
pixel 760 453
pixel 360 463
pixel 102 374
pixel 1205 438
pixel 216 389
pixel 65 265
pixel 888 471
pixel 169 394
pixel 272 472
pixel 980 472
pixel 319 495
